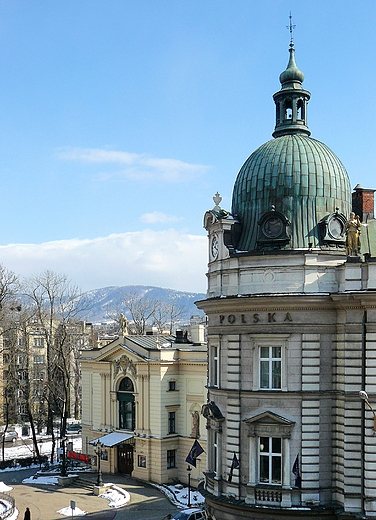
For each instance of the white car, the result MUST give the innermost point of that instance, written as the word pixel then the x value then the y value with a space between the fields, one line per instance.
pixel 190 514
pixel 10 436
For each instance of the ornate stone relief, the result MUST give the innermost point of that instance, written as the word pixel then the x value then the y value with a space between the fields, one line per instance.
pixel 124 365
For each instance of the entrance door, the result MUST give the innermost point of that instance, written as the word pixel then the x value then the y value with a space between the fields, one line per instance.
pixel 125 459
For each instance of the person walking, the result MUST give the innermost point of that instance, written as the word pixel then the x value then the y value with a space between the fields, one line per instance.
pixel 27 515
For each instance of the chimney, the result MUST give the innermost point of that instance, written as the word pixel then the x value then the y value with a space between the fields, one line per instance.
pixel 197 333
pixel 363 203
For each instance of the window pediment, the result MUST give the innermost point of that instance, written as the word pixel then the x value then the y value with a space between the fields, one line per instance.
pixel 269 424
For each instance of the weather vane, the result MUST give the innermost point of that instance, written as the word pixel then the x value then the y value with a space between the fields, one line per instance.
pixel 291 28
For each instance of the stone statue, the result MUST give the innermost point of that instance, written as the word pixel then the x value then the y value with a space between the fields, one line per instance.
pixel 352 230
pixel 195 434
pixel 124 325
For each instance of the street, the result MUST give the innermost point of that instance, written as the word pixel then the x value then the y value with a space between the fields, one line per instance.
pixel 146 503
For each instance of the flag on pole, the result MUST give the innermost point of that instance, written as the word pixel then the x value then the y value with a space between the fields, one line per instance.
pixel 195 452
pixel 234 465
pixel 296 471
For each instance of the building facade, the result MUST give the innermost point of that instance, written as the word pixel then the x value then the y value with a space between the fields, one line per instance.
pixel 26 355
pixel 142 398
pixel 291 307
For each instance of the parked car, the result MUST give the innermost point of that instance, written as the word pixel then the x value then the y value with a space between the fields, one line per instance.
pixel 10 436
pixel 190 514
pixel 74 428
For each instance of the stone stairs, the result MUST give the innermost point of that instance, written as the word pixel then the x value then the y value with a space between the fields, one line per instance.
pixel 83 483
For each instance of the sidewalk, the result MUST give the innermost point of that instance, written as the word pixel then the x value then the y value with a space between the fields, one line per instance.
pixel 44 501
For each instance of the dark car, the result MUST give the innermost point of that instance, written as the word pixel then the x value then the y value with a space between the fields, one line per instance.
pixel 74 428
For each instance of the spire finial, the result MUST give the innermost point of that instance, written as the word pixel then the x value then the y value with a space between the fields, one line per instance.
pixel 291 28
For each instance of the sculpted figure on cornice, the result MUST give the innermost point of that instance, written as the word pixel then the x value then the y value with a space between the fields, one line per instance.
pixel 124 364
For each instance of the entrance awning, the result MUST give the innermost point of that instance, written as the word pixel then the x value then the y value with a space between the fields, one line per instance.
pixel 112 439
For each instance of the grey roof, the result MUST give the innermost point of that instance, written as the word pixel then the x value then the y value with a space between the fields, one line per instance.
pixel 153 342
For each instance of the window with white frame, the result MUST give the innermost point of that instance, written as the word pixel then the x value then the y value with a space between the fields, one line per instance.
pixel 269 449
pixel 270 365
pixel 38 342
pixel 214 365
pixel 270 460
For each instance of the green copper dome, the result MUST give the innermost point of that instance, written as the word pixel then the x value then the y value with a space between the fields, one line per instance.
pixel 294 175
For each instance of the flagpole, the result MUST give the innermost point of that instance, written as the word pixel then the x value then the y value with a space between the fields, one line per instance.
pixel 189 469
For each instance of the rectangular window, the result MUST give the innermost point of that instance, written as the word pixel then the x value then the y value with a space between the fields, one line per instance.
pixel 171 459
pixel 172 386
pixel 215 452
pixel 171 422
pixel 38 342
pixel 22 409
pixel 270 460
pixel 21 359
pixel 127 415
pixel 214 372
pixel 39 359
pixel 141 461
pixel 270 368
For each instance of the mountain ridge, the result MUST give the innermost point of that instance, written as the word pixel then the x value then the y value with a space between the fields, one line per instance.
pixel 106 299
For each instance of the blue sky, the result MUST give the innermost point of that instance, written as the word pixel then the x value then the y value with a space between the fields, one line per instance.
pixel 121 119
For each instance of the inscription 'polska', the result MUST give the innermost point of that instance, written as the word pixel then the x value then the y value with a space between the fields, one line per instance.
pixel 268 317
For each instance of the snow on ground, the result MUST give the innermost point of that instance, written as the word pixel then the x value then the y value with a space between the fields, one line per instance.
pixel 14 516
pixel 48 481
pixel 178 495
pixel 116 496
pixel 68 511
pixel 44 445
pixel 4 488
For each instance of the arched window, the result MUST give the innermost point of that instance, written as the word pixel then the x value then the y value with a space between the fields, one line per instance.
pixel 127 408
pixel 288 109
pixel 300 109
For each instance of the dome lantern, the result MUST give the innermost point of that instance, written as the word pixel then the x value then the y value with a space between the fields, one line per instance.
pixel 291 101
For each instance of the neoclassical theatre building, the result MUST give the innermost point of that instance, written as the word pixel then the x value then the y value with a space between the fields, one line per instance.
pixel 291 307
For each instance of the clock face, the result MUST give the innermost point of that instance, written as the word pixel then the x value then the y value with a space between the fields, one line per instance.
pixel 335 228
pixel 214 246
pixel 272 227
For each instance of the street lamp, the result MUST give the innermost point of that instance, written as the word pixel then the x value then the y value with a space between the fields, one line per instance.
pixel 99 450
pixel 189 469
pixel 363 395
pixel 63 462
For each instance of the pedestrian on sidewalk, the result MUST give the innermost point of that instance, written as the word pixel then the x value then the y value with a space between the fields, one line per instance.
pixel 27 515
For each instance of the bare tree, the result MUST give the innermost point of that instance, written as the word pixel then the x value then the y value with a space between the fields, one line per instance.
pixel 166 315
pixel 144 311
pixel 9 286
pixel 141 310
pixel 56 305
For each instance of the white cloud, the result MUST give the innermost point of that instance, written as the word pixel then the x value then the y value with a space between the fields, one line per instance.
pixel 138 166
pixel 158 217
pixel 165 259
